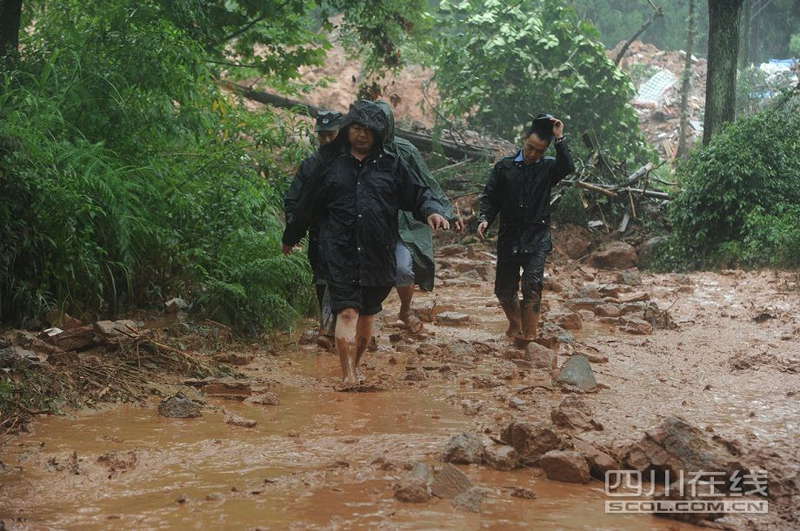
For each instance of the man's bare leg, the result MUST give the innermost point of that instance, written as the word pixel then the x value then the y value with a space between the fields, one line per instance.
pixel 346 324
pixel 406 294
pixel 363 337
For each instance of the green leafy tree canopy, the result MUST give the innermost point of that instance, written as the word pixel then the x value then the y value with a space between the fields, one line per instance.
pixel 499 65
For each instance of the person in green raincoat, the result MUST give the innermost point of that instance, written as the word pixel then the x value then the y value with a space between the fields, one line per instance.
pixel 414 252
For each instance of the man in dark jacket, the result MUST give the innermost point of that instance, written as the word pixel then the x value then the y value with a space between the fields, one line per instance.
pixel 519 191
pixel 354 194
pixel 326 128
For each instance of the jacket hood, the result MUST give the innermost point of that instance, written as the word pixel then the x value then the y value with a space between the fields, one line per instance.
pixel 389 114
pixel 369 114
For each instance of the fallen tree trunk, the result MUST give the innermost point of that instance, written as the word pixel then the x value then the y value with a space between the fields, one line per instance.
pixel 422 141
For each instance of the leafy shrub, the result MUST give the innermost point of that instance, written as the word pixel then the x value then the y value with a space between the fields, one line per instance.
pixel 740 201
pixel 128 177
pixel 499 64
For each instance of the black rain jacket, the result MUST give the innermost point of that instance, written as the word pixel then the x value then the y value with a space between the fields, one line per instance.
pixel 292 197
pixel 520 194
pixel 355 205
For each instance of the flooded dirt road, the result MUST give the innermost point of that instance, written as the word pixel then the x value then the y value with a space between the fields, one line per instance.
pixel 328 459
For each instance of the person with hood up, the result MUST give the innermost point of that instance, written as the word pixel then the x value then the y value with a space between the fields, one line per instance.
pixel 354 195
pixel 518 191
pixel 326 127
pixel 414 251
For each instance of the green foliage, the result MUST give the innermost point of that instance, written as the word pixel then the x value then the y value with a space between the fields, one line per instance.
pixel 794 45
pixel 619 20
pixel 127 177
pixel 755 89
pixel 740 202
pixel 490 57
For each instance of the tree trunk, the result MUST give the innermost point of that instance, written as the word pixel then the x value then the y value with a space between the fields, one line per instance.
pixel 422 141
pixel 10 15
pixel 723 51
pixel 746 31
pixel 686 85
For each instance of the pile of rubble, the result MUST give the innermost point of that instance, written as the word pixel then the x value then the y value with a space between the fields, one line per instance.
pixel 659 95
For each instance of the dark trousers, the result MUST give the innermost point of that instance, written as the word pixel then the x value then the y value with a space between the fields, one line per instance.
pixel 507 279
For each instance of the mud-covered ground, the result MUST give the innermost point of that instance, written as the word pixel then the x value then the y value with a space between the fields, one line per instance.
pixel 724 356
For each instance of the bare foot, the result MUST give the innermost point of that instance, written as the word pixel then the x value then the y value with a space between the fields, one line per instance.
pixel 412 322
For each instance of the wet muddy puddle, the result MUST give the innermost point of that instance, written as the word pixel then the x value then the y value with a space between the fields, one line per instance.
pixel 319 460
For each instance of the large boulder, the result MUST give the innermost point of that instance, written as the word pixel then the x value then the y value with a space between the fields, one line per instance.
pixel 565 465
pixel 573 413
pixel 465 449
pixel 577 373
pixel 531 441
pixel 614 255
pixel 179 406
pixel 677 446
pixel 501 457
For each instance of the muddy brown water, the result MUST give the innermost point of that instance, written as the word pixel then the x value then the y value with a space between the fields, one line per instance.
pixel 329 460
pixel 307 464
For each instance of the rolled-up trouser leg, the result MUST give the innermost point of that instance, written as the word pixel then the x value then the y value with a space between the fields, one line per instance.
pixel 405 265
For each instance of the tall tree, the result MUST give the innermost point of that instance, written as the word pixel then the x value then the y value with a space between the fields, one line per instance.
pixel 686 84
pixel 723 51
pixel 10 13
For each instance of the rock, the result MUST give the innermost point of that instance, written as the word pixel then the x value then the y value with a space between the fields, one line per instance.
pixel 236 420
pixel 540 356
pixel 636 327
pixel 449 482
pixel 577 373
pixel 308 337
pixel 630 278
pixel 551 284
pixel 267 398
pixel 15 356
pixel 607 310
pixel 412 491
pixel 481 381
pixel 584 303
pixel 428 349
pixel 686 489
pixel 460 350
pixel 500 457
pixel 522 492
pixel 599 461
pixel 452 319
pixel 517 403
pixel 531 441
pixel 676 445
pixel 74 339
pixel 471 407
pixel 614 255
pixel 116 331
pixel 574 241
pixel 179 407
pixel 63 320
pixel 415 374
pixel 574 413
pixel 586 315
pixel 233 358
pixel 565 465
pixel 222 387
pixel 631 307
pixel 568 320
pixel 648 249
pixel 593 355
pixel 471 500
pixel 416 488
pixel 175 305
pixel 465 448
